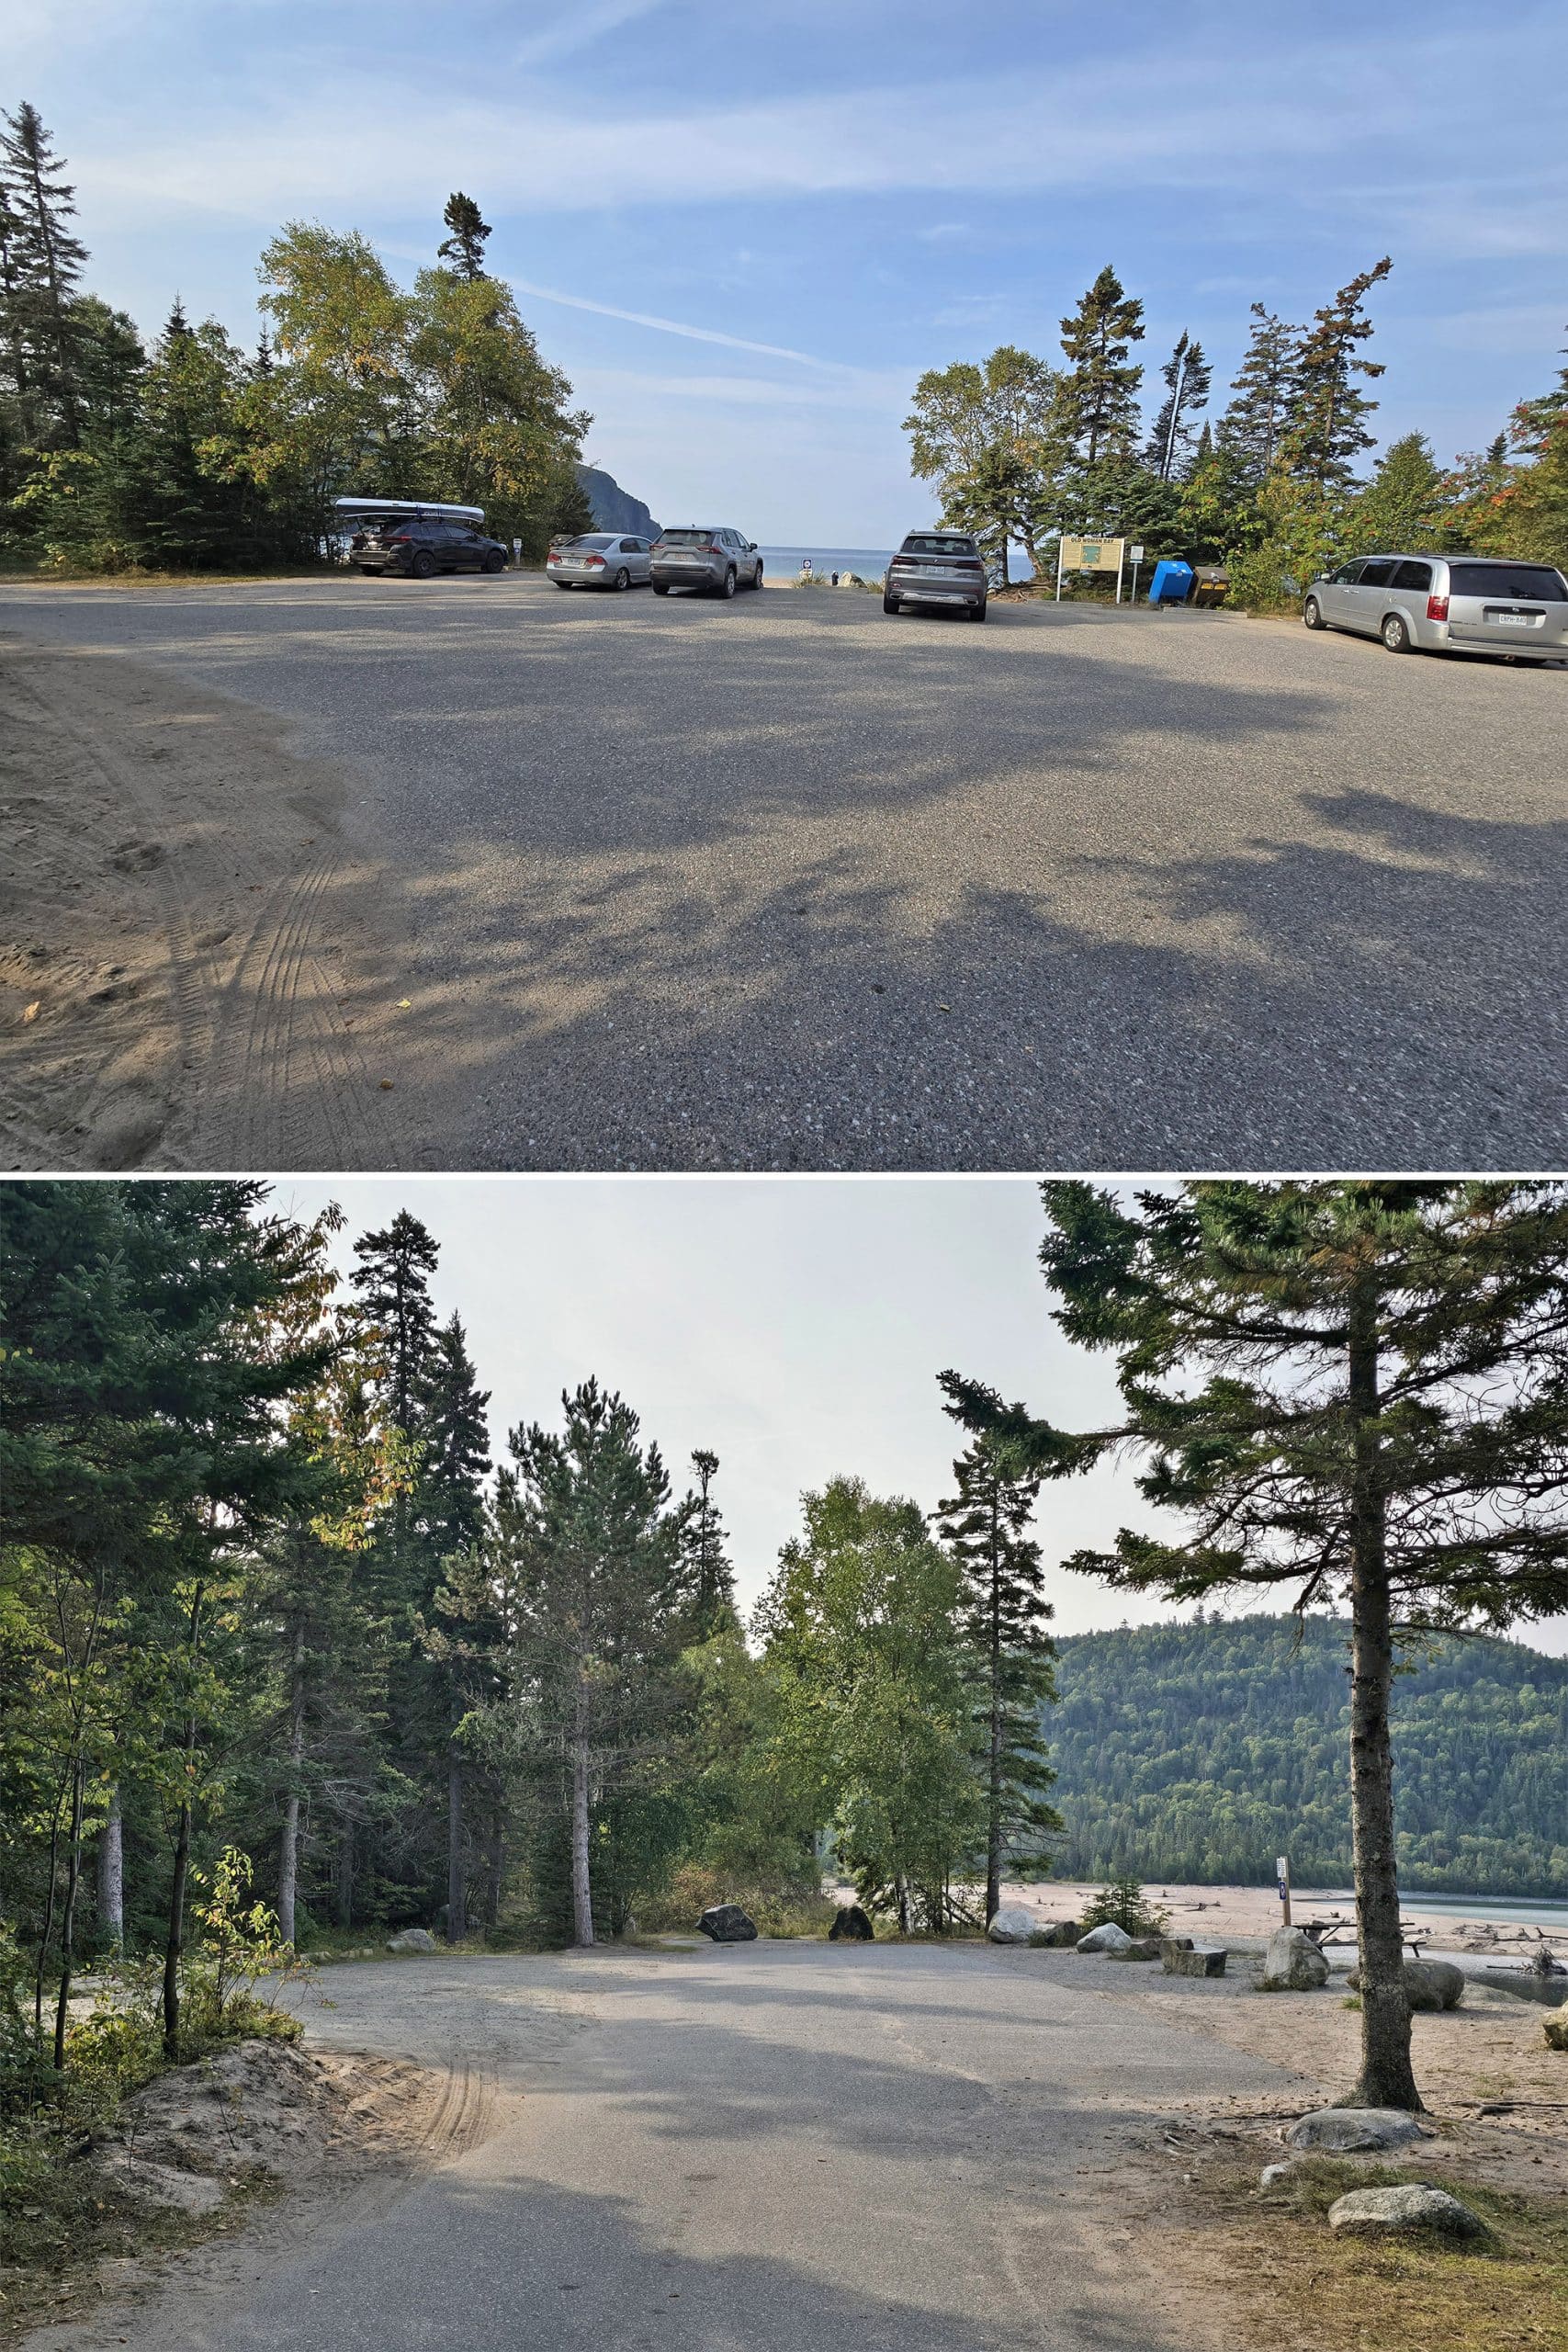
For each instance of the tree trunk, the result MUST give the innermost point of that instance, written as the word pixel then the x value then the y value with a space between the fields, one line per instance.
pixel 994 1815
pixel 288 1851
pixel 496 1870
pixel 1386 2077
pixel 67 1918
pixel 582 1888
pixel 111 1876
pixel 456 1911
pixel 174 1950
pixel 344 1875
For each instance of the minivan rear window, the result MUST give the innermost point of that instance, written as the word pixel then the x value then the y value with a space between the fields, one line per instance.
pixel 1527 579
pixel 689 538
pixel 919 543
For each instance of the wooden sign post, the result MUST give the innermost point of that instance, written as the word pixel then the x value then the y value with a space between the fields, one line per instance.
pixel 1282 1873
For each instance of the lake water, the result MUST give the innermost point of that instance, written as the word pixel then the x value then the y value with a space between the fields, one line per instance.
pixel 1543 1912
pixel 784 563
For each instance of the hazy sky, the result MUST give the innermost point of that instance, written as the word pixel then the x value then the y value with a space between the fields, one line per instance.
pixel 744 231
pixel 794 1325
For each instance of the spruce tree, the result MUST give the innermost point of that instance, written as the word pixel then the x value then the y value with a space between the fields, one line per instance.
pixel 1356 1388
pixel 1254 424
pixel 1187 376
pixel 47 261
pixel 706 1575
pixel 1008 1652
pixel 1100 393
pixel 1403 506
pixel 393 1281
pixel 1325 424
pixel 463 248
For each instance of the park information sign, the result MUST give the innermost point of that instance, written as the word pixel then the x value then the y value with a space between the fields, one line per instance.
pixel 1092 555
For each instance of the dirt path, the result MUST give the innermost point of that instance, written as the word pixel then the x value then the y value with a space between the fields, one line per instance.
pixel 196 970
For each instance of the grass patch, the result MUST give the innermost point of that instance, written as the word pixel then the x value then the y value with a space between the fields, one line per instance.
pixel 1505 2291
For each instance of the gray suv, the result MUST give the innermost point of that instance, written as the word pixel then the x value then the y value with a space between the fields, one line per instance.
pixel 716 561
pixel 1447 604
pixel 937 568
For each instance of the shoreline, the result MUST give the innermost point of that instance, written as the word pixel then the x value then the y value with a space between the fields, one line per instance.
pixel 1253 1911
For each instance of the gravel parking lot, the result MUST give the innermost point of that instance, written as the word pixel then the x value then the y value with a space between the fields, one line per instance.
pixel 788 884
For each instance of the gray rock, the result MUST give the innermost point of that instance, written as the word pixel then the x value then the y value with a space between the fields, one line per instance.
pixel 1555 2029
pixel 1272 2175
pixel 1012 1925
pixel 1292 1962
pixel 1136 1947
pixel 1548 1990
pixel 850 1926
pixel 1428 1984
pixel 1110 1937
pixel 1056 1934
pixel 725 1923
pixel 1182 1957
pixel 412 1940
pixel 1413 2206
pixel 1347 2130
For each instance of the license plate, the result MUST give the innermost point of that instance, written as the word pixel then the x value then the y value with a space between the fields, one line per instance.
pixel 1517 620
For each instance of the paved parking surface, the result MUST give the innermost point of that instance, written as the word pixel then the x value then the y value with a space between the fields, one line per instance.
pixel 785 883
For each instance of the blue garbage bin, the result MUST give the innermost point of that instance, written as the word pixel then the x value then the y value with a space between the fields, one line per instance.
pixel 1172 584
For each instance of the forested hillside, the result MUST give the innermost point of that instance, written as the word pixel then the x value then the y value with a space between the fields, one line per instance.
pixel 1198 1752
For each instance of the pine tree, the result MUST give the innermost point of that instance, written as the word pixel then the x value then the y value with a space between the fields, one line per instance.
pixel 43 274
pixel 1325 426
pixel 456 1442
pixel 393 1281
pixel 707 1577
pixel 1100 395
pixel 1357 1388
pixel 600 1638
pixel 463 249
pixel 1254 425
pixel 1008 1660
pixel 1187 376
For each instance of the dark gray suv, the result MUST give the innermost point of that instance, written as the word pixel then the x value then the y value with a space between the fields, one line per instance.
pixel 698 556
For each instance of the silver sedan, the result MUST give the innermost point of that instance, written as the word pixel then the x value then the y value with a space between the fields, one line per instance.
pixel 600 560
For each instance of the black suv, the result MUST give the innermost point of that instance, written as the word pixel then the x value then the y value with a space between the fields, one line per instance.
pixel 419 545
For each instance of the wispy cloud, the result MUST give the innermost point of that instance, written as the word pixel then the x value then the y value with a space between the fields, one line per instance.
pixel 670 326
pixel 578 28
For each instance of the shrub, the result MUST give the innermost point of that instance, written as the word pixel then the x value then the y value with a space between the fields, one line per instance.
pixel 779 1908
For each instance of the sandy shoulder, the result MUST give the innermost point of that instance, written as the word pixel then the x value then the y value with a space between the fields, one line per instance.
pixel 197 968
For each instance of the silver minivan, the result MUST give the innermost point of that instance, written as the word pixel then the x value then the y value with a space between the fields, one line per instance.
pixel 1447 604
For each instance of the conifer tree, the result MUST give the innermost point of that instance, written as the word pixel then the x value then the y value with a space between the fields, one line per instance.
pixel 706 1575
pixel 1008 1652
pixel 600 1638
pixel 1325 424
pixel 1359 1389
pixel 1254 424
pixel 463 248
pixel 1100 394
pixel 43 262
pixel 1187 376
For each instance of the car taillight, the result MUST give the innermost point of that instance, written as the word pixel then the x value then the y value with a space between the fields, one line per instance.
pixel 402 538
pixel 716 546
pixel 594 561
pixel 1436 608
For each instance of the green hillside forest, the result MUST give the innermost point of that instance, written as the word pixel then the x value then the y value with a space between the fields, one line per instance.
pixel 1196 1753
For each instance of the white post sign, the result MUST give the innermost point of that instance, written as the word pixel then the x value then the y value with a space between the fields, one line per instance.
pixel 517 552
pixel 1137 555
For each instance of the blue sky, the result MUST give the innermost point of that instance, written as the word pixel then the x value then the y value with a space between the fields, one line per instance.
pixel 806 202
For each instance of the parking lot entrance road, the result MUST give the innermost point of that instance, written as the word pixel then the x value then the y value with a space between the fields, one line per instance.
pixel 768 2147
pixel 785 883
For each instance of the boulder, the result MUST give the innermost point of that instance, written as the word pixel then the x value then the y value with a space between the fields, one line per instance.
pixel 1136 1947
pixel 1110 1937
pixel 1012 1925
pixel 725 1923
pixel 412 1940
pixel 1428 1984
pixel 1272 2175
pixel 1350 2130
pixel 1414 2205
pixel 1182 1957
pixel 1555 2029
pixel 1057 1933
pixel 850 1926
pixel 1523 1984
pixel 1292 1962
